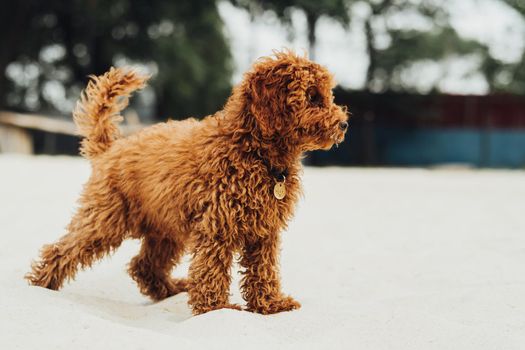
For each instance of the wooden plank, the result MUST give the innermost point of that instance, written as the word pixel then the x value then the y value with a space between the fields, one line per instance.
pixel 51 125
pixel 38 122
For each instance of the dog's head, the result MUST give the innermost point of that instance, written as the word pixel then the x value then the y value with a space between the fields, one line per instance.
pixel 291 98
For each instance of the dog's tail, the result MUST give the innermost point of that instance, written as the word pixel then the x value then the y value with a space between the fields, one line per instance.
pixel 97 111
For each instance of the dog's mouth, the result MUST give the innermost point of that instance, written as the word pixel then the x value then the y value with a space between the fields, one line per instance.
pixel 333 139
pixel 325 138
pixel 338 135
pixel 338 138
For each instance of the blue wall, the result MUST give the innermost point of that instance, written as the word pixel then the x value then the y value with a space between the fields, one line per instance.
pixel 413 147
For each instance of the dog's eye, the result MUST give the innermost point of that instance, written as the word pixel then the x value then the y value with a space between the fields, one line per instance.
pixel 314 97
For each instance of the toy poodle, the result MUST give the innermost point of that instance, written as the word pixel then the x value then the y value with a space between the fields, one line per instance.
pixel 214 188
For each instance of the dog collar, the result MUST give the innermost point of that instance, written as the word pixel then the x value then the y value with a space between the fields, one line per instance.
pixel 279 188
pixel 279 175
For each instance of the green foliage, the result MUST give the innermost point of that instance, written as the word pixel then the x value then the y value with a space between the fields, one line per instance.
pixel 518 5
pixel 411 46
pixel 61 42
pixel 183 39
pixel 509 77
pixel 436 42
pixel 336 9
pixel 313 10
pixel 406 46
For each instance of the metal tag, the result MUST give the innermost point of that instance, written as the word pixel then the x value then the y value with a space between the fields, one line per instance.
pixel 279 190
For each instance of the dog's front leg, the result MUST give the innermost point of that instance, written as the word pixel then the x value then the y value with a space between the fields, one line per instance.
pixel 209 276
pixel 260 286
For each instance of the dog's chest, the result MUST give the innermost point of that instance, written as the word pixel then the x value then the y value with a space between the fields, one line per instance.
pixel 242 203
pixel 263 203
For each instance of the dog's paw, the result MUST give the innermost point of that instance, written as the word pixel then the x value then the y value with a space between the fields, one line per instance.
pixel 161 289
pixel 231 306
pixel 177 285
pixel 273 306
pixel 204 309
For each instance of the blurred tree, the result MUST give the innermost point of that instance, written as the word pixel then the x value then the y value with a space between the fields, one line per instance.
pixel 393 48
pixel 394 43
pixel 49 47
pixel 511 77
pixel 312 9
pixel 518 5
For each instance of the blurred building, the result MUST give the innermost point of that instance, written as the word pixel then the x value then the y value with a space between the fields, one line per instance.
pixel 426 130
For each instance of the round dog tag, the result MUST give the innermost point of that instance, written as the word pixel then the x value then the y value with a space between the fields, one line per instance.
pixel 279 190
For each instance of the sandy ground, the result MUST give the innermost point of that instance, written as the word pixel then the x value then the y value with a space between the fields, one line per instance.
pixel 380 259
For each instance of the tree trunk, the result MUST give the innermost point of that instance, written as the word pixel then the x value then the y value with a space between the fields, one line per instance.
pixel 311 19
pixel 372 53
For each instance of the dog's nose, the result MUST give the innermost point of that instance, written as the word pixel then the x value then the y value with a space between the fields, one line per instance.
pixel 343 125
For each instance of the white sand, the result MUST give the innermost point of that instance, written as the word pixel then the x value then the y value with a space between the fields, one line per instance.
pixel 380 259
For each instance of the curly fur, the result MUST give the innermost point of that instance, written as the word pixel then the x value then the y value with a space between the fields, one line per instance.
pixel 200 187
pixel 97 112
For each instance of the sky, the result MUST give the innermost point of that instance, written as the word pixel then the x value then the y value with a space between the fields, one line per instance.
pixel 344 51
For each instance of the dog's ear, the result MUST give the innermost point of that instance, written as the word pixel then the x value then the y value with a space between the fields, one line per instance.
pixel 266 97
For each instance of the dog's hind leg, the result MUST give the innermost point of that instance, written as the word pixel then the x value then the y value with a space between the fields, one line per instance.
pixel 98 227
pixel 151 269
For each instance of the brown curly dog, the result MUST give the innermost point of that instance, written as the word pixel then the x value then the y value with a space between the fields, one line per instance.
pixel 224 185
